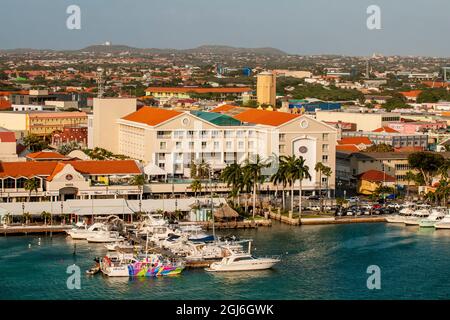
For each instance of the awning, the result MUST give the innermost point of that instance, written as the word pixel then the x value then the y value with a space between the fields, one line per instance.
pixel 152 169
pixel 225 211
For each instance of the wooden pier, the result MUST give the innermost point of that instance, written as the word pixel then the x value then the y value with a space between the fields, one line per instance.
pixel 25 230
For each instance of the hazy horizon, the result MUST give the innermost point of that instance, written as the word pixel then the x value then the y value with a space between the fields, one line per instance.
pixel 302 27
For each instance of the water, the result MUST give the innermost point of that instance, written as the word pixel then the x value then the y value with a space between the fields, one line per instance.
pixel 319 262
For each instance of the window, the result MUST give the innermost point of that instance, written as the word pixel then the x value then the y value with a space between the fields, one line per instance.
pixel 325 136
pixel 281 148
pixel 162 145
pixel 241 144
pixel 216 145
pixel 325 158
pixel 191 145
pixel 251 144
pixel 324 148
pixel 282 137
pixel 228 144
pixel 178 145
pixel 204 145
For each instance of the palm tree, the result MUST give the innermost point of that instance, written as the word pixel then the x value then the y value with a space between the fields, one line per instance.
pixel 31 185
pixel 279 177
pixel 233 176
pixel 302 173
pixel 196 186
pixel 327 172
pixel 252 175
pixel 138 181
pixel 409 176
pixel 7 218
pixel 289 170
pixel 320 168
pixel 45 215
pixel 26 217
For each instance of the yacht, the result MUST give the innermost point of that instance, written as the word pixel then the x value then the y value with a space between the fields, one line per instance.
pixel 437 214
pixel 105 236
pixel 119 245
pixel 83 233
pixel 404 213
pixel 422 212
pixel 444 223
pixel 242 262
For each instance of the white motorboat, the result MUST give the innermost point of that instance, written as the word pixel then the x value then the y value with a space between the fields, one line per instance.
pixel 422 212
pixel 242 262
pixel 105 236
pixel 407 211
pixel 83 233
pixel 437 214
pixel 444 223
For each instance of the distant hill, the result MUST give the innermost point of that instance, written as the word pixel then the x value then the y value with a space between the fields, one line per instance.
pixel 115 49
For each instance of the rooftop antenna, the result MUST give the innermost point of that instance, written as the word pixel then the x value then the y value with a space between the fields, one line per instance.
pixel 100 85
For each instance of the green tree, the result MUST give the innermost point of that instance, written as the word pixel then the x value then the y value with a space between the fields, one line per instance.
pixel 34 143
pixel 409 177
pixel 233 176
pixel 31 185
pixel 196 186
pixel 381 147
pixel 46 216
pixel 252 174
pixel 427 163
pixel 138 181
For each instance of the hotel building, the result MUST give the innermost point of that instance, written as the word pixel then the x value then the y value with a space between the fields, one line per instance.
pixel 171 140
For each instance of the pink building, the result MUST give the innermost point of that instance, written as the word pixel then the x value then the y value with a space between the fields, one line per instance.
pixel 419 126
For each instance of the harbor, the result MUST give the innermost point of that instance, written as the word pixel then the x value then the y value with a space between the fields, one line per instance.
pixel 330 263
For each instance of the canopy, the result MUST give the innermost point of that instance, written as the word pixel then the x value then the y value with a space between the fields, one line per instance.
pixel 225 211
pixel 152 169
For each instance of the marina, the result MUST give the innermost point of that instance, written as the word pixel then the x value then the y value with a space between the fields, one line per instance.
pixel 330 263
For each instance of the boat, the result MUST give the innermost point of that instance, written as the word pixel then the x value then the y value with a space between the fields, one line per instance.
pixel 407 211
pixel 242 262
pixel 105 236
pixel 437 214
pixel 119 245
pixel 422 212
pixel 444 223
pixel 153 265
pixel 83 233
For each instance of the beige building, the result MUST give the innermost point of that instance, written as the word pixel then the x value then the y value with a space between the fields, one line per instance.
pixel 102 125
pixel 364 121
pixel 171 140
pixel 266 85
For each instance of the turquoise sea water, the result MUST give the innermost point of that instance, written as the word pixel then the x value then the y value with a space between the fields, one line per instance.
pixel 319 262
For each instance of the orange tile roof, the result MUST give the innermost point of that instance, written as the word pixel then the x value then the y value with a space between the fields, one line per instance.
pixel 385 129
pixel 376 176
pixel 51 168
pixel 198 89
pixel 355 140
pixel 26 169
pixel 151 116
pixel 5 104
pixel 347 148
pixel 271 118
pixel 224 108
pixel 45 155
pixel 436 84
pixel 411 94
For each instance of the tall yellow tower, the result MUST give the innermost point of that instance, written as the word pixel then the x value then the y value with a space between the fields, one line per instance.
pixel 266 84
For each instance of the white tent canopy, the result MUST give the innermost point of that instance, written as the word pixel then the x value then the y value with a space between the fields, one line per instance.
pixel 152 169
pixel 101 206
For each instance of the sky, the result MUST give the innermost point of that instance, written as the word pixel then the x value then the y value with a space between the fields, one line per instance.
pixel 408 27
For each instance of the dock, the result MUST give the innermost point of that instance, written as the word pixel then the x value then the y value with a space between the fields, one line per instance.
pixel 343 220
pixel 246 224
pixel 25 230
